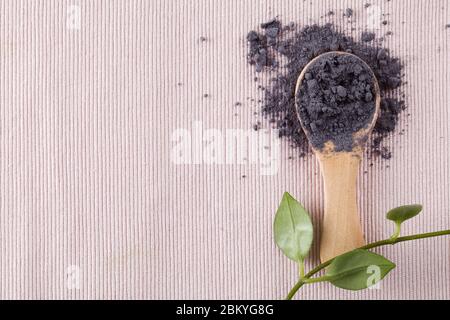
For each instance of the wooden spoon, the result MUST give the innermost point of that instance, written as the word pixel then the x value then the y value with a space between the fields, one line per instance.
pixel 341 230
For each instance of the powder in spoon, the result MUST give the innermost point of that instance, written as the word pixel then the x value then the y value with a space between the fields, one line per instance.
pixel 283 52
pixel 336 99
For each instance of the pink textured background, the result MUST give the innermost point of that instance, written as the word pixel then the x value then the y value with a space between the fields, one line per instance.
pixel 86 180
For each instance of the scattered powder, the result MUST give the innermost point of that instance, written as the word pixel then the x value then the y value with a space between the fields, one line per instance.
pixel 336 99
pixel 296 48
pixel 367 36
pixel 348 12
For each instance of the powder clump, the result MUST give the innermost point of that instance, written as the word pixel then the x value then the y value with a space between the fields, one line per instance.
pixel 348 12
pixel 367 36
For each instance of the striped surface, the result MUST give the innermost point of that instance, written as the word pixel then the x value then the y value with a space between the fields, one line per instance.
pixel 91 204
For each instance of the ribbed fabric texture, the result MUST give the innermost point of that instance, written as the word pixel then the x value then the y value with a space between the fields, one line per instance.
pixel 93 206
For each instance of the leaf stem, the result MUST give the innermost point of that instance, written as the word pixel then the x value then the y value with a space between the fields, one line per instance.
pixel 294 290
pixel 315 280
pixel 301 266
pixel 381 243
pixel 398 227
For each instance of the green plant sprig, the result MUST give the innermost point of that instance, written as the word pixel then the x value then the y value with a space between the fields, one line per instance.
pixel 351 270
pixel 381 243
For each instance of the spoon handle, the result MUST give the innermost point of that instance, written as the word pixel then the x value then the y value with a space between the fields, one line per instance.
pixel 341 230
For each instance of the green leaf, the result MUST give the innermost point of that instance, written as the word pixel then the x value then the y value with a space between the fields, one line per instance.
pixel 293 229
pixel 404 213
pixel 358 269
